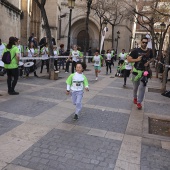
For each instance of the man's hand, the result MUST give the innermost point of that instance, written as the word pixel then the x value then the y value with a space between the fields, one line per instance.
pixel 67 92
pixel 87 89
pixel 139 58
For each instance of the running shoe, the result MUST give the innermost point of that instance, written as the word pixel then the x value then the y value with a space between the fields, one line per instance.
pixel 75 117
pixel 139 106
pixel 135 101
pixel 96 78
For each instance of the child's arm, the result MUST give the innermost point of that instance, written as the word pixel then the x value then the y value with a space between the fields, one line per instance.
pixel 69 82
pixel 86 84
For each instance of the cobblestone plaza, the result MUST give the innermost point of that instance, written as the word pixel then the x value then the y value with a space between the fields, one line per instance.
pixel 37 131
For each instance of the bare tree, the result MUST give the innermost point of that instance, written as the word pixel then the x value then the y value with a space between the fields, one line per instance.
pixel 101 7
pixel 41 5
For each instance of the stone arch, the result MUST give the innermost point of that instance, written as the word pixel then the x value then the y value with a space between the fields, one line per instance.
pixel 79 25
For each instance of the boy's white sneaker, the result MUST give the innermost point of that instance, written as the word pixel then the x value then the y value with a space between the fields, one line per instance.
pixel 96 78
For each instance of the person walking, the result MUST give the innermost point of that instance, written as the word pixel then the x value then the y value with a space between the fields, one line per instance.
pixel 141 57
pixel 12 68
pixel 76 82
pixel 97 59
pixel 75 56
pixel 122 56
pixel 108 60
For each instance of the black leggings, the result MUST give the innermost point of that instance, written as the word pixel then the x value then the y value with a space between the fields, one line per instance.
pixel 108 66
pixel 12 73
pixel 126 74
pixel 73 66
pixel 47 64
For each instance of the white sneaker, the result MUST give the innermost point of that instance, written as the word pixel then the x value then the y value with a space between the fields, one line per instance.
pixel 96 78
pixel 66 72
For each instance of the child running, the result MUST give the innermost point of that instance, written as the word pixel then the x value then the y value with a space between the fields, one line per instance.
pixel 75 85
pixel 97 63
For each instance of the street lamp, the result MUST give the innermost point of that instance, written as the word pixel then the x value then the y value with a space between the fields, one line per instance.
pixel 117 41
pixel 71 4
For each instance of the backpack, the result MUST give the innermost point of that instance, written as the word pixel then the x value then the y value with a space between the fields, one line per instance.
pixel 6 58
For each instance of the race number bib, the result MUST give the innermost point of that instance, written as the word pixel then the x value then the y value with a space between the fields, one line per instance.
pixel 96 62
pixel 78 85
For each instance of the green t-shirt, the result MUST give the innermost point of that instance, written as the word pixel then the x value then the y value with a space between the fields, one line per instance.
pixel 14 63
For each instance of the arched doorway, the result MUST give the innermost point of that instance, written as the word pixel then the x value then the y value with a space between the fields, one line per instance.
pixel 81 39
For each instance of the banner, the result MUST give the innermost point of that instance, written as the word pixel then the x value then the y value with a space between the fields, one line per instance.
pixel 102 38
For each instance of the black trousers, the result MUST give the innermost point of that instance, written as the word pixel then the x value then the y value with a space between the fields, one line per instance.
pixel 126 74
pixel 73 66
pixel 56 64
pixel 12 83
pixel 67 66
pixel 47 64
pixel 108 66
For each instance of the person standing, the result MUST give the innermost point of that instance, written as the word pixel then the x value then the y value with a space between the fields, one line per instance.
pixel 141 57
pixel 2 47
pixel 76 82
pixel 61 53
pixel 56 53
pixel 32 52
pixel 44 53
pixel 89 54
pixel 75 55
pixel 97 59
pixel 12 68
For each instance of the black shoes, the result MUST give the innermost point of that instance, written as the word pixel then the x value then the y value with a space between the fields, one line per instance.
pixel 75 117
pixel 13 93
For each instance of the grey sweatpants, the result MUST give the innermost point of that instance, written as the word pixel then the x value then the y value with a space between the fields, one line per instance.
pixel 77 100
pixel 139 88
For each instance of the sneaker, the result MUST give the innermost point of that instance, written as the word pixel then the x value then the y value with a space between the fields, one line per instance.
pixel 135 101
pixel 75 117
pixel 13 93
pixel 106 73
pixel 96 78
pixel 124 85
pixel 66 71
pixel 139 106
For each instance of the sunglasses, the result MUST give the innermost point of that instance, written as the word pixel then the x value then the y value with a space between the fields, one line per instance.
pixel 145 42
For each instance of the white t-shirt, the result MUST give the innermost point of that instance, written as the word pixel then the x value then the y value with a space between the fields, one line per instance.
pixel 2 47
pixel 75 55
pixel 77 84
pixel 30 52
pixel 20 50
pixel 45 53
pixel 128 66
pixel 122 56
pixel 97 60
pixel 108 56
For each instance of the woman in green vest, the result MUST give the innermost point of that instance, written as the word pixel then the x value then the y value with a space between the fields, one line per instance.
pixel 12 68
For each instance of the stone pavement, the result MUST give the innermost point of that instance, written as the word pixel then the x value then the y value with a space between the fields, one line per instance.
pixel 37 131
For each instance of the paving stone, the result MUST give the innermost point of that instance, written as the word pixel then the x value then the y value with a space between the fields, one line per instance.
pixel 157 108
pixel 19 87
pixel 50 93
pixel 118 92
pixel 28 107
pixel 154 158
pixel 156 97
pixel 76 157
pixel 113 102
pixel 7 125
pixel 98 119
pixel 36 81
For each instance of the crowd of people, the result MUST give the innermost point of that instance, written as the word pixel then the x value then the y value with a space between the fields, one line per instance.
pixel 136 62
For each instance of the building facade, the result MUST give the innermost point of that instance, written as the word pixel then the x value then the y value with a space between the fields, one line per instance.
pixel 23 17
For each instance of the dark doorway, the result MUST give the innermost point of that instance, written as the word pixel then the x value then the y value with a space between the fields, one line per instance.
pixel 81 39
